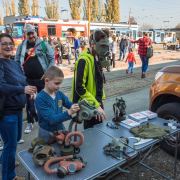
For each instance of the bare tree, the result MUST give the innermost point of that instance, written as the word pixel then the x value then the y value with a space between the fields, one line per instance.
pixel 178 25
pixel 146 27
pixel 132 20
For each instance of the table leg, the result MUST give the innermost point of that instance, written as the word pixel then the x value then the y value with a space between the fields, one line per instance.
pixel 176 156
pixel 129 169
pixel 29 175
pixel 139 162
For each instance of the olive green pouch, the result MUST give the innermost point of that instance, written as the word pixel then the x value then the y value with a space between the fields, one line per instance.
pixel 150 131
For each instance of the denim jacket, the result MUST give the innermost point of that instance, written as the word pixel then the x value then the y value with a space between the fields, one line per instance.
pixel 46 60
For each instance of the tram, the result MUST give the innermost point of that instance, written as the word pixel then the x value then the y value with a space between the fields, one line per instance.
pixel 158 35
pixel 123 31
pixel 139 34
pixel 171 36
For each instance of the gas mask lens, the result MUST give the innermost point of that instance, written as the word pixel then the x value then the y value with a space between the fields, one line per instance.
pixel 72 168
pixel 104 47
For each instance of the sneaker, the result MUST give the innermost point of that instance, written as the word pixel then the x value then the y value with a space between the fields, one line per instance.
pixel 28 128
pixel 143 75
pixel 20 141
pixel 16 163
pixel 127 71
pixel 19 178
pixel 132 73
pixel 1 147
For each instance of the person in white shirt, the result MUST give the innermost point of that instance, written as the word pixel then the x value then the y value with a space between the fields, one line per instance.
pixel 165 41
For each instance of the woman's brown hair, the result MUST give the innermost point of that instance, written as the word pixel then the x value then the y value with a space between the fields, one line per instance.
pixel 114 38
pixel 6 35
pixel 145 33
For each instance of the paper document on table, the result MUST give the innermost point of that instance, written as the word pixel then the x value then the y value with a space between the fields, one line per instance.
pixel 149 114
pixel 142 141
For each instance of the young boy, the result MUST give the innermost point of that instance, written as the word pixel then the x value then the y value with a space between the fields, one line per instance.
pixel 49 103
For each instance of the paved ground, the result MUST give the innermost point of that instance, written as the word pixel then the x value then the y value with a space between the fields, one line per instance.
pixel 136 100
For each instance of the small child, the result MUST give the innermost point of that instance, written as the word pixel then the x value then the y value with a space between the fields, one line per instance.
pixel 50 102
pixel 131 60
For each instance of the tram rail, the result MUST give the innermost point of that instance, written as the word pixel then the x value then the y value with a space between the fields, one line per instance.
pixel 68 88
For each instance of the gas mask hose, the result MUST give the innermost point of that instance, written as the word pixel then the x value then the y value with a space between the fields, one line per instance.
pixel 53 160
pixel 79 143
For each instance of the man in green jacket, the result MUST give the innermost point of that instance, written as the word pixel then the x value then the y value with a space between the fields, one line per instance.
pixel 88 75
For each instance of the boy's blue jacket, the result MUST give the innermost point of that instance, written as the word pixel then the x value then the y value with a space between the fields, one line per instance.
pixel 50 112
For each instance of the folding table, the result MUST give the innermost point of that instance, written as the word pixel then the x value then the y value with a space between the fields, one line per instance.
pixel 91 151
pixel 122 131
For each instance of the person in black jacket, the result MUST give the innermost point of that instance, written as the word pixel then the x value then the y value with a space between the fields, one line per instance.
pixel 122 46
pixel 60 49
pixel 51 42
pixel 14 88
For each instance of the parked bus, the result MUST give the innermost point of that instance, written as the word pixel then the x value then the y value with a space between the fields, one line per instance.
pixel 48 27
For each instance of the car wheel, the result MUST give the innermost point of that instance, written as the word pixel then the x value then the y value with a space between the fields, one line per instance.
pixel 170 111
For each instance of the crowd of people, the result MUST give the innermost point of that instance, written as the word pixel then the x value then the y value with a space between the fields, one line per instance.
pixel 59 48
pixel 128 45
pixel 33 73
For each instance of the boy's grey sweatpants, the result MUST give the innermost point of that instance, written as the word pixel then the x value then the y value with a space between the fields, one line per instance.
pixel 44 134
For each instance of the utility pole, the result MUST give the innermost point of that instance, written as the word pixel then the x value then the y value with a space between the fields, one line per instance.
pixel 166 23
pixel 129 18
pixel 89 4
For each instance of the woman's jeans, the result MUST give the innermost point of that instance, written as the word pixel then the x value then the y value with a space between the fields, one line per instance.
pixel 40 85
pixel 11 132
pixel 69 56
pixel 76 54
pixel 145 62
pixel 113 60
pixel 131 64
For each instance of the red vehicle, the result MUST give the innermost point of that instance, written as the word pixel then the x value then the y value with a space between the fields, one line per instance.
pixel 49 27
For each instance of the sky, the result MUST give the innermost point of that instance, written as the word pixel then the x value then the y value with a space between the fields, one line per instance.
pixel 159 13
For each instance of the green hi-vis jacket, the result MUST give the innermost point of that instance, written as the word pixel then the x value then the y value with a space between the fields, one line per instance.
pixel 84 83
